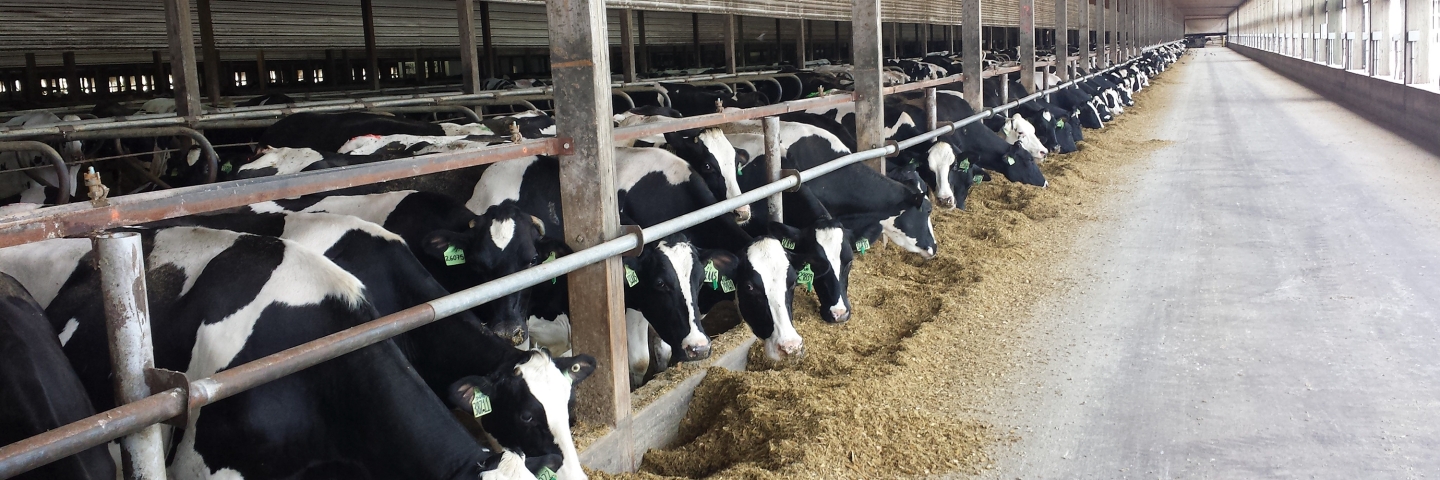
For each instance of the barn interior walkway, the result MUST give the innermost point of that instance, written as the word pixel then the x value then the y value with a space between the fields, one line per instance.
pixel 1264 303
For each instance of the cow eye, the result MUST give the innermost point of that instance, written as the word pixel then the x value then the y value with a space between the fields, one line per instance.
pixel 706 167
pixel 527 417
pixel 662 286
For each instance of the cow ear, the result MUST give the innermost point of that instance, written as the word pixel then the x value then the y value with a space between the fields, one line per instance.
pixel 577 368
pixel 462 393
pixel 917 199
pixel 784 233
pixel 741 157
pixel 724 261
pixel 436 243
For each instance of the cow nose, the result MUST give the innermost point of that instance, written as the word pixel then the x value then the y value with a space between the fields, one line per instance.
pixel 518 337
pixel 793 348
pixel 946 202
pixel 697 352
pixel 840 313
pixel 929 253
pixel 742 214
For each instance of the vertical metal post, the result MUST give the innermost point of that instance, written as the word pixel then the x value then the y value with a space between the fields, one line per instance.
pixel 121 262
pixel 1062 41
pixel 212 56
pixel 644 64
pixel 182 57
pixel 1114 32
pixel 1027 45
pixel 779 50
pixel 771 127
pixel 32 78
pixel 932 121
pixel 869 97
pixel 487 42
pixel 742 44
pixel 158 63
pixel 420 67
pixel 1085 35
pixel 800 53
pixel 469 51
pixel 627 44
pixel 1102 35
pixel 695 37
pixel 579 63
pixel 72 75
pixel 730 43
pixel 836 52
pixel 972 58
pixel 894 39
pixel 950 38
pixel 367 17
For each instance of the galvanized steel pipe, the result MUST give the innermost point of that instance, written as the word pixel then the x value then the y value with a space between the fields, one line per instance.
pixel 56 161
pixel 121 261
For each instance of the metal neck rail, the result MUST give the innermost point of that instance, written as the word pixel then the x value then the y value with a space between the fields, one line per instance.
pixel 170 403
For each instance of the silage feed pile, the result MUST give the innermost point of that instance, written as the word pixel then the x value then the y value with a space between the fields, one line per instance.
pixel 897 391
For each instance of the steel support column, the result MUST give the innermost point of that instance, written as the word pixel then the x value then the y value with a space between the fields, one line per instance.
pixel 972 57
pixel 212 56
pixel 869 96
pixel 182 57
pixel 367 17
pixel 121 262
pixel 579 63
pixel 771 126
pixel 469 50
pixel 1027 45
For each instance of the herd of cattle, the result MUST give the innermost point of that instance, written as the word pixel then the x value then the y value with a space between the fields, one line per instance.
pixel 234 286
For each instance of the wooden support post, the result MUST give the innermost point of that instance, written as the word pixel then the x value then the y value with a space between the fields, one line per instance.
pixel 579 63
pixel 1085 35
pixel 182 57
pixel 644 63
pixel 162 83
pixel 32 78
pixel 742 44
pixel 262 73
pixel 72 75
pixel 487 42
pixel 1062 41
pixel 469 50
pixel 695 39
pixel 869 97
pixel 212 56
pixel 836 51
pixel 627 45
pixel 367 17
pixel 1102 35
pixel 972 58
pixel 800 41
pixel 1027 45
pixel 894 39
pixel 730 43
pixel 779 50
pixel 771 128
pixel 419 67
pixel 950 38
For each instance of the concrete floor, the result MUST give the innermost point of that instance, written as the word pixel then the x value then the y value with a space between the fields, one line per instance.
pixel 1263 303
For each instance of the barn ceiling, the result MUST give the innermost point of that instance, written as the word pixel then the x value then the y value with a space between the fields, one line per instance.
pixel 1207 8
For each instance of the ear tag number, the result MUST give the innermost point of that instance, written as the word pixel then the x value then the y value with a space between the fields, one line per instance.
pixel 545 474
pixel 454 256
pixel 712 275
pixel 727 285
pixel 631 278
pixel 1010 160
pixel 806 277
pixel 787 244
pixel 480 404
pixel 862 245
pixel 965 165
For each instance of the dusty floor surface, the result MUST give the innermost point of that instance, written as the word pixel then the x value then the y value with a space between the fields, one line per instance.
pixel 903 389
pixel 1262 302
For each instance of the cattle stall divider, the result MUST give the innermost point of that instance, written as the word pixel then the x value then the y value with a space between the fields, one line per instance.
pixel 57 162
pixel 147 411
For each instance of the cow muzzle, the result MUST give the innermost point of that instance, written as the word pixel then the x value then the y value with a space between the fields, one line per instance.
pixel 693 353
pixel 742 214
pixel 945 202
pixel 840 314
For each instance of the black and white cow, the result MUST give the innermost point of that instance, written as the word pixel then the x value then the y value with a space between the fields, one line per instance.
pixel 707 151
pixel 273 161
pixel 402 145
pixel 39 391
pixel 219 299
pixel 487 246
pixel 40 185
pixel 442 352
pixel 653 186
pixel 327 132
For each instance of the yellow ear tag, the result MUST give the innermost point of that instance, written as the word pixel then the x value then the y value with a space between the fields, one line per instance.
pixel 480 404
pixel 631 278
pixel 806 277
pixel 454 256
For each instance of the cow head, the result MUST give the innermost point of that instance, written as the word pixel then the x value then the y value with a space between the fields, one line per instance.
pixel 912 229
pixel 524 406
pixel 665 287
pixel 1062 128
pixel 944 164
pixel 764 280
pixel 826 247
pixel 500 242
pixel 1017 129
pixel 712 156
pixel 1019 167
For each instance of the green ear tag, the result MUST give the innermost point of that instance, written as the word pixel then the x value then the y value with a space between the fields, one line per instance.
pixel 1060 124
pixel 806 277
pixel 631 278
pixel 479 404
pixel 226 167
pixel 545 474
pixel 727 285
pixel 1010 160
pixel 454 256
pixel 549 259
pixel 965 165
pixel 862 245
pixel 977 179
pixel 712 275
pixel 787 244
pixel 739 170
